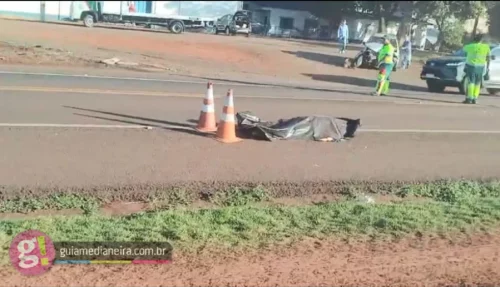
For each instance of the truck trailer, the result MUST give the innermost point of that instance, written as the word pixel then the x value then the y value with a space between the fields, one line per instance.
pixel 177 16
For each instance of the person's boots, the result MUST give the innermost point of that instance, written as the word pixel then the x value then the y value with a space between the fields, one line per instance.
pixel 385 89
pixel 467 101
pixel 473 101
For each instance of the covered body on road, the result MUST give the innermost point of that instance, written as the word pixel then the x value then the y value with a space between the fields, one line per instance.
pixel 317 128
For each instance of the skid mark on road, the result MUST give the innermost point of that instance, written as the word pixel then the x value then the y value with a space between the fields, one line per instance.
pixel 193 95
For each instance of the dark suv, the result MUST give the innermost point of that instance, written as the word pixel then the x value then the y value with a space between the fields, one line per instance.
pixel 446 71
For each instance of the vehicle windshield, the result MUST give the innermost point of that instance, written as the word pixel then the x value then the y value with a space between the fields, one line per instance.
pixel 375 39
pixel 380 40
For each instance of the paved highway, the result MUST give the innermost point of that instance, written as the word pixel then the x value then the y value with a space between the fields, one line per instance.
pixel 409 136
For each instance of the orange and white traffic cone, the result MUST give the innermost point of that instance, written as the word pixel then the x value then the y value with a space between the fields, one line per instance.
pixel 226 131
pixel 207 122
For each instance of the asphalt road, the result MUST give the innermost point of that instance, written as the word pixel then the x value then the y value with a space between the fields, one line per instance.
pixel 397 141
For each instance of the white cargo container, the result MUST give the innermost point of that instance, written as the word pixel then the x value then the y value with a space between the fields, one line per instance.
pixel 175 15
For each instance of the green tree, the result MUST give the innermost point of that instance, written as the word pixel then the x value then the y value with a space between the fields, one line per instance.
pixel 448 16
pixel 382 10
pixel 494 21
pixel 475 10
pixel 333 11
pixel 445 14
pixel 405 24
pixel 453 36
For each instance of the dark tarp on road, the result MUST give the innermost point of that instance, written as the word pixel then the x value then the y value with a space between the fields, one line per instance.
pixel 317 128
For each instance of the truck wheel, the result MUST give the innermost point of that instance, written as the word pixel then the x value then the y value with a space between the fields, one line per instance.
pixel 88 21
pixel 176 27
pixel 435 87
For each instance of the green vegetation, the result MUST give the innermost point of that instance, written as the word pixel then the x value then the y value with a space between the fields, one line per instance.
pixel 167 199
pixel 55 201
pixel 254 226
pixel 240 197
pixel 451 206
pixel 452 192
pixel 158 200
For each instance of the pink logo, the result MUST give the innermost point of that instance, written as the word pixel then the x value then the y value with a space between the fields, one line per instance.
pixel 32 252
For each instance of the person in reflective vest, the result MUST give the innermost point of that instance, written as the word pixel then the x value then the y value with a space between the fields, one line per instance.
pixel 478 58
pixel 385 61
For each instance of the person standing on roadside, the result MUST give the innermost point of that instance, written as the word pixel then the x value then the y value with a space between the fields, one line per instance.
pixel 343 36
pixel 406 49
pixel 385 61
pixel 478 58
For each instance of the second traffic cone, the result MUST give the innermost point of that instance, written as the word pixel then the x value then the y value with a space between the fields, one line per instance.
pixel 206 122
pixel 226 131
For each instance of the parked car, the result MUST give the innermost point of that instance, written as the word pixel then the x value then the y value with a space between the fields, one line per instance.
pixel 448 71
pixel 367 57
pixel 237 23
pixel 492 85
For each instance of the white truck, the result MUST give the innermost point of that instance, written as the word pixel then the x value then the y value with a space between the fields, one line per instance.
pixel 174 15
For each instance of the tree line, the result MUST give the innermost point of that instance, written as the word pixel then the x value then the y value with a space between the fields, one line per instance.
pixel 448 16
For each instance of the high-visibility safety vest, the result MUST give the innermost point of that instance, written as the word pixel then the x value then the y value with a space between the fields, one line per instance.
pixel 477 54
pixel 386 54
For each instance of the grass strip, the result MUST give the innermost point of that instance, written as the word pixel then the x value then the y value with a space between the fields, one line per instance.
pixel 252 226
pixel 54 201
pixel 446 191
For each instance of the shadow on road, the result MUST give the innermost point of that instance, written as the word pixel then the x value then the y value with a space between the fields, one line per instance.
pixel 360 93
pixel 360 82
pixel 172 126
pixel 277 85
pixel 318 57
pixel 371 84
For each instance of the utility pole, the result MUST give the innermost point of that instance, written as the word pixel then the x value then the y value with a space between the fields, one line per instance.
pixel 42 11
pixel 121 10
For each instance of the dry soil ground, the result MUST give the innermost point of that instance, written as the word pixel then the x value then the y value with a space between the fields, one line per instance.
pixel 471 261
pixel 236 58
pixel 429 263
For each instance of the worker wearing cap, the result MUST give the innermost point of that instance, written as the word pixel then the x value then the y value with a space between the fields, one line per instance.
pixel 385 61
pixel 478 58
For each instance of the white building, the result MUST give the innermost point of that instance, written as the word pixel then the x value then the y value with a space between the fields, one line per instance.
pixel 280 21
